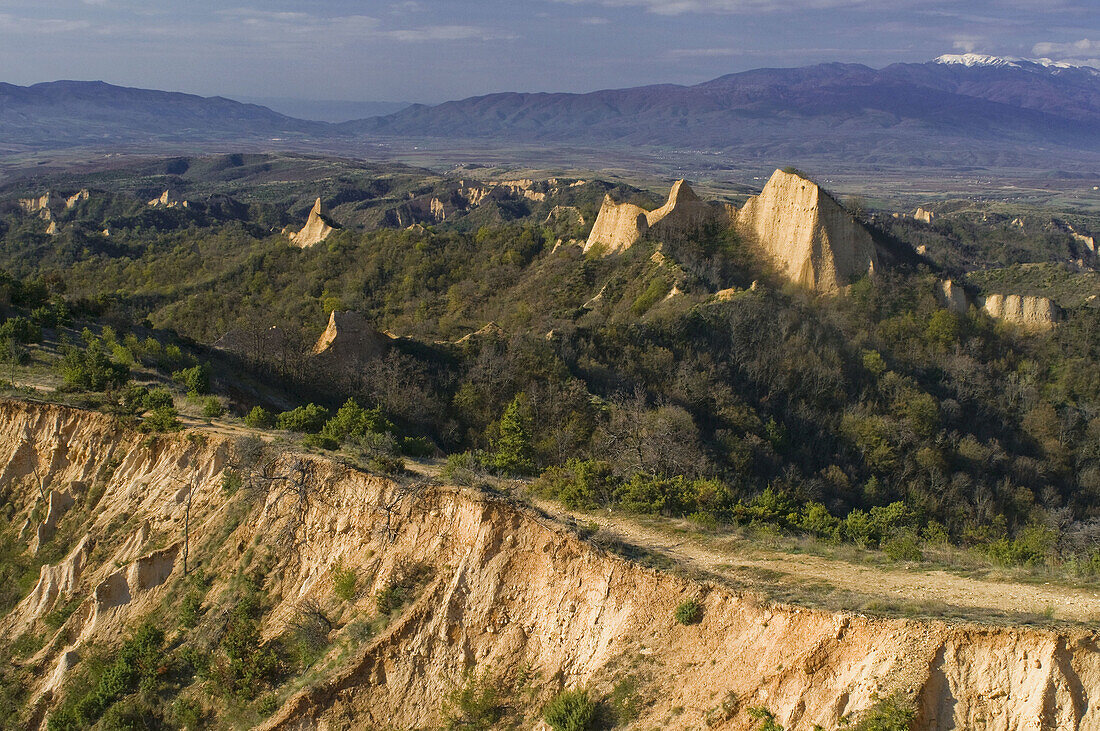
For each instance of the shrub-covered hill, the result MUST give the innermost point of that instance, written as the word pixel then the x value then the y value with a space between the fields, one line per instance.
pixel 629 382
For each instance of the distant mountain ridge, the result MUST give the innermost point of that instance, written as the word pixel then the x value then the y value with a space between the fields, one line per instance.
pixel 980 113
pixel 72 113
pixel 958 110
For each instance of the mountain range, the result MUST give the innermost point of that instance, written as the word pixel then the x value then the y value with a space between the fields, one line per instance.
pixel 956 110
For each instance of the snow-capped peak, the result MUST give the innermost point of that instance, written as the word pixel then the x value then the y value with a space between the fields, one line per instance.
pixel 979 59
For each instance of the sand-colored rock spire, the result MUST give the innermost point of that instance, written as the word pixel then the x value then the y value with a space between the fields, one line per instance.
pixel 807 235
pixel 318 228
pixel 620 225
pixel 349 339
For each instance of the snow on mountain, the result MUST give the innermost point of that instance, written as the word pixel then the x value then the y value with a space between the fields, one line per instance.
pixel 977 59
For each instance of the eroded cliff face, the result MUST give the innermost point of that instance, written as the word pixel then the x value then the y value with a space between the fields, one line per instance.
pixel 620 225
pixel 1025 311
pixel 510 592
pixel 806 235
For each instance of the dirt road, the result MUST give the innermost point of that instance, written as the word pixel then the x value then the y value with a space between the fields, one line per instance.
pixel 836 583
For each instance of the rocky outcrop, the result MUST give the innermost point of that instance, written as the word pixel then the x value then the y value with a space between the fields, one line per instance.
pixel 953 296
pixel 42 203
pixel 1026 311
pixel 620 225
pixel 318 228
pixel 809 238
pixel 349 341
pixel 922 215
pixel 489 330
pixel 570 215
pixel 1083 238
pixel 167 199
pixel 1038 313
pixel 74 200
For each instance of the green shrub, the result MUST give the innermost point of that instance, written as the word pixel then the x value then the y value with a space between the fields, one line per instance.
pixel 21 330
pixel 267 705
pixel 475 705
pixel 760 713
pixel 320 441
pixel 247 664
pixel 417 447
pixel 904 546
pixel 91 369
pixel 893 713
pixel 689 612
pixel 343 582
pixel 384 465
pixel 187 713
pixel 137 665
pixel 259 418
pixel 308 419
pixel 162 419
pixel 657 290
pixel 406 579
pixel 158 398
pixel 570 710
pixel 191 607
pixel 231 482
pixel 352 420
pixel 1034 544
pixel 212 408
pixel 195 379
pixel 462 467
pixel 61 614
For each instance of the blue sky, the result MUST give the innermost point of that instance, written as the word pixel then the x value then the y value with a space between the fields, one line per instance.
pixel 423 50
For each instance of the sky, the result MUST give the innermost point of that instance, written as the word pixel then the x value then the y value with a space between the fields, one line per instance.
pixel 430 51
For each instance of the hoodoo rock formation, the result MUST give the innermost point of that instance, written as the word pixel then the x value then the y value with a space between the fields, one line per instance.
pixel 42 203
pixel 1028 312
pixel 73 200
pixel 1036 313
pixel 807 235
pixel 349 341
pixel 620 225
pixel 168 200
pixel 318 228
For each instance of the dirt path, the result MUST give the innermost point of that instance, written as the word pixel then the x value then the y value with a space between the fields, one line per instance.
pixel 821 581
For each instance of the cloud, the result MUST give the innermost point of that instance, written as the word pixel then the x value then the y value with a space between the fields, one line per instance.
pixel 680 7
pixel 440 33
pixel 349 28
pixel 725 52
pixel 1063 50
pixel 594 20
pixel 41 26
pixel 704 52
pixel 967 44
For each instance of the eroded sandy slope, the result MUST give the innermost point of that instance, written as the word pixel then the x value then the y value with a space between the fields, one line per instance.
pixel 511 591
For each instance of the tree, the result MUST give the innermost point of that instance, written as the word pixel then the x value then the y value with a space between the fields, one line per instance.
pixel 512 448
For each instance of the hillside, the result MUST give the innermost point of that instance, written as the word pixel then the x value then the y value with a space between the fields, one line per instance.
pixel 465 452
pixel 354 598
